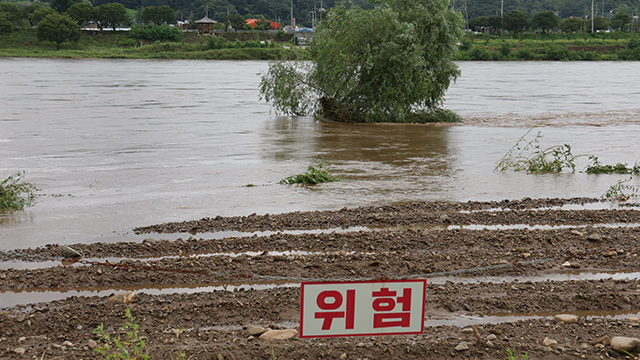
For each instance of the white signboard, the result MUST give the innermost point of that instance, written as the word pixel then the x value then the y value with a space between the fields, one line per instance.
pixel 362 308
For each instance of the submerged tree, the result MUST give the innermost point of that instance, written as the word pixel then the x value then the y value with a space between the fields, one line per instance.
pixel 392 63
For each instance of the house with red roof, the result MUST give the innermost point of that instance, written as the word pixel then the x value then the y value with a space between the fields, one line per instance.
pixel 254 22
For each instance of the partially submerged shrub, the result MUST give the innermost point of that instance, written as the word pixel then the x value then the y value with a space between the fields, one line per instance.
pixel 312 176
pixel 16 194
pixel 595 167
pixel 533 159
pixel 622 190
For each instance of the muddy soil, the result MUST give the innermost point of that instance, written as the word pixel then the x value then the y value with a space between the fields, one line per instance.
pixel 497 274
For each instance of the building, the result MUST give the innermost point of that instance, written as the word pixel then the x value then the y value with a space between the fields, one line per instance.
pixel 205 25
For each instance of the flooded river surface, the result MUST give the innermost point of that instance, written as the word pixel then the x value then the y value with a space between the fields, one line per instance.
pixel 116 144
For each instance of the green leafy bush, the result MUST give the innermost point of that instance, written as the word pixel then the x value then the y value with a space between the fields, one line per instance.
pixel 312 176
pixel 156 32
pixel 16 194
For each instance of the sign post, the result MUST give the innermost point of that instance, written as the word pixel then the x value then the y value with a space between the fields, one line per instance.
pixel 362 308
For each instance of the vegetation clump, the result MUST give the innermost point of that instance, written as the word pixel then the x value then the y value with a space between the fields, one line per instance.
pixel 361 71
pixel 15 194
pixel 132 347
pixel 313 175
pixel 622 190
pixel 595 167
pixel 530 157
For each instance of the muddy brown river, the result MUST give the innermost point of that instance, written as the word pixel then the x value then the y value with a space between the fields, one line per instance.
pixel 164 176
pixel 116 144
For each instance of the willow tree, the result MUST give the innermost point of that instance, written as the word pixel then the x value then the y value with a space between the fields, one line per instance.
pixel 392 63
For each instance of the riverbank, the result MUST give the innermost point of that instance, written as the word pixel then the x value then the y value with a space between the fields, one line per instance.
pixel 506 268
pixel 118 45
pixel 269 46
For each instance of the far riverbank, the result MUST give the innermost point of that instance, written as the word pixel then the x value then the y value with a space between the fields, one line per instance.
pixel 278 46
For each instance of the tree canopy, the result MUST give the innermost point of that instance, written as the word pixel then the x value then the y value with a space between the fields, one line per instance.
pixel 82 12
pixel 158 15
pixel 388 64
pixel 112 15
pixel 58 29
pixel 545 20
pixel 515 21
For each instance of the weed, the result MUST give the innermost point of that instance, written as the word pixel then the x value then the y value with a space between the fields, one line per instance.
pixel 512 356
pixel 312 176
pixel 628 354
pixel 622 190
pixel 273 353
pixel 250 185
pixel 530 157
pixel 132 347
pixel 182 355
pixel 16 194
pixel 595 167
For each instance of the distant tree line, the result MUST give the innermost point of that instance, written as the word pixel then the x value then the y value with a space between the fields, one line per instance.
pixel 516 22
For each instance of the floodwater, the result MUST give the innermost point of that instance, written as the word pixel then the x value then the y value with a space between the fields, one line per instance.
pixel 116 144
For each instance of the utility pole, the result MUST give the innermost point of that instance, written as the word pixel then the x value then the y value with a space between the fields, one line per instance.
pixel 501 15
pixel 293 21
pixel 592 17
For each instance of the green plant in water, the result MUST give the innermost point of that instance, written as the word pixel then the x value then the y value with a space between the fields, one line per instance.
pixel 596 167
pixel 312 176
pixel 530 157
pixel 622 190
pixel 16 194
pixel 513 356
pixel 131 348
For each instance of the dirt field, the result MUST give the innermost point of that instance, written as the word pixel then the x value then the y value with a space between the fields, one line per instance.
pixel 497 275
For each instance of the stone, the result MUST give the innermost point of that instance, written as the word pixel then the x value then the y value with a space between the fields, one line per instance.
pixel 67 343
pixel 19 350
pixel 549 342
pixel 624 344
pixel 467 331
pixel 444 219
pixel 492 337
pixel 462 346
pixel 634 319
pixel 279 334
pixel 22 338
pixel 566 318
pixel 566 264
pixel 92 344
pixel 122 298
pixel 490 344
pixel 343 356
pixel 605 340
pixel 256 330
pixel 610 253
pixel 503 262
pixel 594 237
pixel 576 232
pixel 67 252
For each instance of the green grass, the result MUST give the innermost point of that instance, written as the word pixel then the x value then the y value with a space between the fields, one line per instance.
pixel 16 194
pixel 109 45
pixel 550 47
